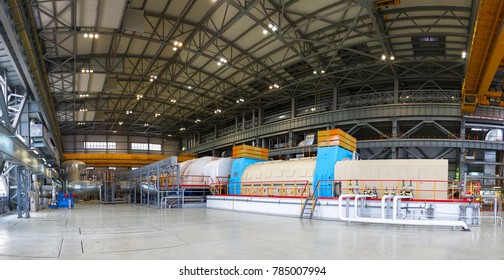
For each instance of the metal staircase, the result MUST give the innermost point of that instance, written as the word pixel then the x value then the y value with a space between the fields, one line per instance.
pixel 309 205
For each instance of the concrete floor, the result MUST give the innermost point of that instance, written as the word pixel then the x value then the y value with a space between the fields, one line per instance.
pixel 93 231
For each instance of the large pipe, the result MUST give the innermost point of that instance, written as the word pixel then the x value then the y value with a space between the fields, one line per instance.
pixel 340 202
pixel 84 188
pixel 383 199
pixel 395 201
pixel 148 187
pixel 356 205
pixel 496 205
pixel 461 224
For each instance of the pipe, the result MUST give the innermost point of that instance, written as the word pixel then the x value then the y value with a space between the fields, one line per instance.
pixel 394 221
pixel 461 224
pixel 84 188
pixel 357 197
pixel 394 204
pixel 340 200
pixel 496 205
pixel 384 198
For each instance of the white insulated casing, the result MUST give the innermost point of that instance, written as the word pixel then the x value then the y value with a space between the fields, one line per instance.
pixel 398 169
pixel 204 170
pixel 217 169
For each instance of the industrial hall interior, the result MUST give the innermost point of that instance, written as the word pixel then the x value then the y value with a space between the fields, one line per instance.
pixel 251 129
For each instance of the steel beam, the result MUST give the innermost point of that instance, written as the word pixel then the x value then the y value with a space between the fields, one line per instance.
pixel 23 182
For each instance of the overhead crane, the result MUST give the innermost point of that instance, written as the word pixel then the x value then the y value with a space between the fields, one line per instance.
pixel 485 57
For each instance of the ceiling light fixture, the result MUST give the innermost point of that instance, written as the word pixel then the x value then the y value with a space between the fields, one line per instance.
pixel 121 123
pixel 173 101
pixel 189 87
pixel 169 135
pixel 91 35
pixel 139 96
pixel 182 128
pixel 464 54
pixel 222 60
pixel 392 57
pixel 383 57
pixel 152 78
pixel 322 71
pixel 265 32
pixel 129 112
pixel 83 110
pixel 146 124
pixel 273 27
pixel 197 121
pixel 157 115
pixel 274 86
pixel 218 111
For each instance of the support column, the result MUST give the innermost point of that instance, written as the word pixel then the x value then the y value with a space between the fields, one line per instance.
pixel 243 122
pixel 215 132
pixel 394 128
pixel 462 128
pixel 291 140
pixel 23 182
pixel 236 124
pixel 260 113
pixel 293 107
pixel 462 164
pixel 335 99
pixel 253 118
pixel 2 165
pixel 396 91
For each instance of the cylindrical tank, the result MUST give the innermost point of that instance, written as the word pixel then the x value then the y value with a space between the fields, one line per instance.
pixel 281 177
pixel 84 188
pixel 148 187
pixel 46 190
pixel 75 170
pixel 125 186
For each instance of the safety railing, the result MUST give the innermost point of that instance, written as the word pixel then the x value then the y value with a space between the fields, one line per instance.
pixel 421 189
pixel 191 181
pixel 221 186
pixel 287 188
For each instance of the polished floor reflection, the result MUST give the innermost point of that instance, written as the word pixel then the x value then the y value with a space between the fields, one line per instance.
pixel 93 231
